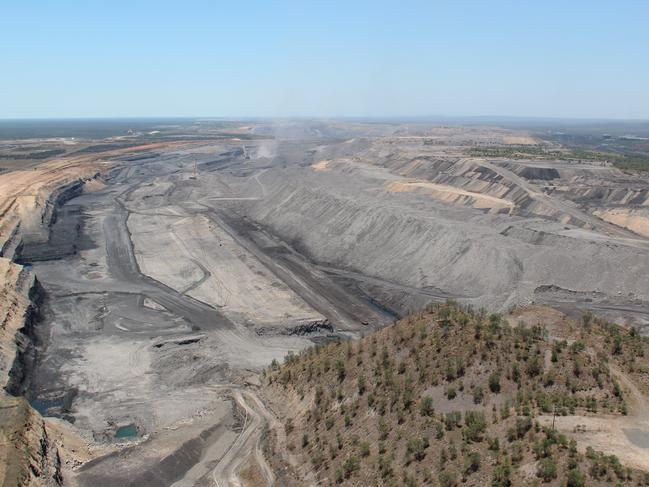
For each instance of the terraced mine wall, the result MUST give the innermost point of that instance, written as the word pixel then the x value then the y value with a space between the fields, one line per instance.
pixel 25 340
pixel 50 237
pixel 29 455
pixel 53 238
pixel 427 249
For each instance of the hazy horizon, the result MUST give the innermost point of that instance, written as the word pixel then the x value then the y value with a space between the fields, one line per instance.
pixel 378 60
pixel 392 118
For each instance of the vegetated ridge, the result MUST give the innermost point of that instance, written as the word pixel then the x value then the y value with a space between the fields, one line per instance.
pixel 625 161
pixel 450 397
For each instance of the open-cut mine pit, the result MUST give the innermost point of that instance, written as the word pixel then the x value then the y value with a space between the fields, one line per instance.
pixel 146 286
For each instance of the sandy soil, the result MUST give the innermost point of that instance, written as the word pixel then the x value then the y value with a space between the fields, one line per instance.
pixel 520 140
pixel 451 194
pixel 635 220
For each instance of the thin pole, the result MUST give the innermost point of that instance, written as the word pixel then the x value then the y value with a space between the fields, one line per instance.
pixel 554 414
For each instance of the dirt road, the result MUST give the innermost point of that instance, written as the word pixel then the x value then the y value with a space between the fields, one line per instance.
pixel 627 437
pixel 247 443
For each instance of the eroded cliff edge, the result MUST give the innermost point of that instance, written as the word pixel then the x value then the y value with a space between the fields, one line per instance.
pixel 31 447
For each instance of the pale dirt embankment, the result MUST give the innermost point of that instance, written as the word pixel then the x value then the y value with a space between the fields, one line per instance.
pixel 636 220
pixel 451 194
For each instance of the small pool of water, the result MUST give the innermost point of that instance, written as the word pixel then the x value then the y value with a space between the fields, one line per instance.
pixel 128 431
pixel 48 407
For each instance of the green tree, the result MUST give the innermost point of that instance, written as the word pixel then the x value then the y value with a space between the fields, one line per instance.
pixel 340 370
pixel 475 425
pixel 575 479
pixel 494 382
pixel 426 407
pixel 547 469
pixel 361 385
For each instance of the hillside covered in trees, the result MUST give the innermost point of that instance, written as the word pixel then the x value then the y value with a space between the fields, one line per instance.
pixel 454 397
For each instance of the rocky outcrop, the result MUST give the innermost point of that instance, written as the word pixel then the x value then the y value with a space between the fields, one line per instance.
pixel 309 328
pixel 28 457
pixel 21 295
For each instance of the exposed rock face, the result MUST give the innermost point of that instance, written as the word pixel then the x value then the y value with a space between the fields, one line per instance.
pixel 21 295
pixel 29 457
pixel 28 203
pixel 26 214
pixel 28 209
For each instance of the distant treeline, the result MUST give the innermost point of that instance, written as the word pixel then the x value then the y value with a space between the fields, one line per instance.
pixel 33 155
pixel 636 162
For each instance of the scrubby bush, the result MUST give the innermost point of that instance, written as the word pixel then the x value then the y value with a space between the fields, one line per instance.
pixel 426 406
pixel 447 479
pixel 475 425
pixel 547 469
pixel 472 463
pixel 478 395
pixel 494 382
pixel 385 467
pixel 417 447
pixel 340 370
pixel 361 385
pixel 351 465
pixel 502 474
pixel 575 478
pixel 452 419
pixel 365 449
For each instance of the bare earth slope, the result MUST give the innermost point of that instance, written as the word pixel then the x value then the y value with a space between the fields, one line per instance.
pixel 490 232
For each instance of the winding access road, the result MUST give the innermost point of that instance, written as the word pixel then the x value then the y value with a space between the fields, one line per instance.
pixel 247 443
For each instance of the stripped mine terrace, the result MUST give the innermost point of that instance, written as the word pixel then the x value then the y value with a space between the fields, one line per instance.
pixel 149 279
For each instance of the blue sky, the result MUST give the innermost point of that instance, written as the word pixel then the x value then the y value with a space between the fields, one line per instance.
pixel 357 58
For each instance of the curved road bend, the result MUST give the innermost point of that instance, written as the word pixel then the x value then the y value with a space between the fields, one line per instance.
pixel 225 474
